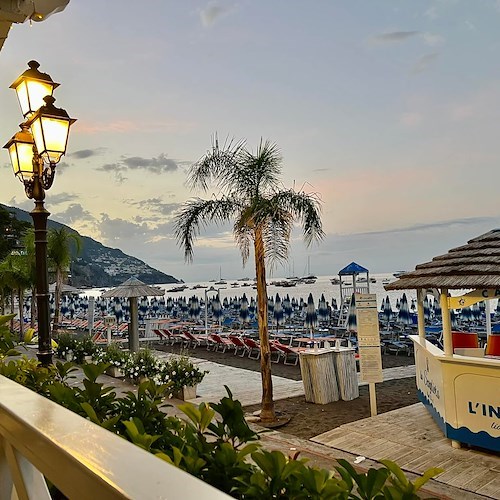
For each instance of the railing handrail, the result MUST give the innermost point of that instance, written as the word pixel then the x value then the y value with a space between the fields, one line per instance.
pixel 80 458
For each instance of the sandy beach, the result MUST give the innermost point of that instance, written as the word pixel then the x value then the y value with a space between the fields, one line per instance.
pixel 308 419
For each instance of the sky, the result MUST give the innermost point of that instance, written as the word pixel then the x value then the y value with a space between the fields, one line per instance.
pixel 387 110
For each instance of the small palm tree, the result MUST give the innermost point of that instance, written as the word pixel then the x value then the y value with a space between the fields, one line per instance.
pixel 59 255
pixel 263 213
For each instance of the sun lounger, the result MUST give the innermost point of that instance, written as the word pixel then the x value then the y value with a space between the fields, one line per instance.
pixel 218 342
pixel 194 340
pixel 289 352
pixel 238 344
pixel 253 347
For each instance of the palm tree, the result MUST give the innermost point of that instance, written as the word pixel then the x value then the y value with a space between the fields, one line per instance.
pixel 59 255
pixel 263 214
pixel 16 276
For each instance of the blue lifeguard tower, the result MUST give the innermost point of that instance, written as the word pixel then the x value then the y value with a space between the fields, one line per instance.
pixel 357 280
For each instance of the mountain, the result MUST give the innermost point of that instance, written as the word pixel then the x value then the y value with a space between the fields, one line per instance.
pixel 99 266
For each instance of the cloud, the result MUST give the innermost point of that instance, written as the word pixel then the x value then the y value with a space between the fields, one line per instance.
pixel 212 12
pixel 73 214
pixel 112 167
pixel 156 165
pixel 394 36
pixel 432 40
pixel 56 199
pixel 24 204
pixel 157 205
pixel 431 13
pixel 86 153
pixel 424 62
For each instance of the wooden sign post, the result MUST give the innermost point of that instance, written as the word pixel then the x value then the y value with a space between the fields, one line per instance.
pixel 370 360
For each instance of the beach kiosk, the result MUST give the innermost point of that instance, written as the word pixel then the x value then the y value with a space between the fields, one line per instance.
pixel 460 384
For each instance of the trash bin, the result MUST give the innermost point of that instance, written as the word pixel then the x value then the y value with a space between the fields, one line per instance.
pixel 317 367
pixel 345 368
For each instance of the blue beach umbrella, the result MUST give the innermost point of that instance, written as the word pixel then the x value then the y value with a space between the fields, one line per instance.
pixel 322 309
pixel 352 325
pixel 287 307
pixel 382 306
pixel 169 305
pixel 216 308
pixel 427 310
pixel 252 307
pixel 311 319
pixel 437 310
pixel 387 310
pixel 244 315
pixel 278 315
pixel 404 312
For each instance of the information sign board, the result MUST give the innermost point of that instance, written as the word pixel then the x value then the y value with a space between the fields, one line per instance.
pixel 370 361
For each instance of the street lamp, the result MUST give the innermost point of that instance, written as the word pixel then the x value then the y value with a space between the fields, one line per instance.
pixel 34 153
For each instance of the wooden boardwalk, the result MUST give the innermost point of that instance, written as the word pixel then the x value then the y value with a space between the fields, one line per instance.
pixel 410 437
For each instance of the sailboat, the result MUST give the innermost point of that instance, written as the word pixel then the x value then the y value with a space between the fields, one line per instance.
pixel 221 281
pixel 309 278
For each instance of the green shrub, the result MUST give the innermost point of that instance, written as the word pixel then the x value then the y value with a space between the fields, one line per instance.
pixel 223 452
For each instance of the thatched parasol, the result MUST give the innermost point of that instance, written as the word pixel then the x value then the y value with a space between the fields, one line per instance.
pixel 131 289
pixel 475 265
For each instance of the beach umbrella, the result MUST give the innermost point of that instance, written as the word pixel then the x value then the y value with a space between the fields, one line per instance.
pixel 351 325
pixel 132 289
pixel 311 319
pixel 413 306
pixel 155 306
pixel 398 304
pixel 322 309
pixel 287 307
pixel 194 308
pixel 278 315
pixel 270 305
pixel 252 308
pixel 335 307
pixel 437 310
pixel 143 308
pixel 169 305
pixel 244 315
pixel 453 319
pixel 117 309
pixel 216 308
pixel 497 310
pixel 427 311
pixel 476 312
pixel 382 306
pixel 387 310
pixel 466 315
pixel 404 312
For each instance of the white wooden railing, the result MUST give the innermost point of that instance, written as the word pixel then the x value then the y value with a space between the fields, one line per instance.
pixel 40 438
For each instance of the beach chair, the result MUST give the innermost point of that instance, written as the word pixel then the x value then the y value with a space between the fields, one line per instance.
pixel 162 336
pixel 218 342
pixel 289 352
pixel 194 340
pixel 238 344
pixel 253 347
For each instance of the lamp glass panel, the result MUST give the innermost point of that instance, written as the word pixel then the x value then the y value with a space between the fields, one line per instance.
pixel 21 156
pixel 51 135
pixel 31 93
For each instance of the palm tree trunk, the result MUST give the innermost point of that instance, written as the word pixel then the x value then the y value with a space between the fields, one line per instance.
pixel 20 296
pixel 267 406
pixel 33 307
pixel 57 299
pixel 12 309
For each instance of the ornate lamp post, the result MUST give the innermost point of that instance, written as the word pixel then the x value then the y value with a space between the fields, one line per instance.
pixel 34 153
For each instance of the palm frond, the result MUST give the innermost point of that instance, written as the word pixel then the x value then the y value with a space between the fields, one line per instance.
pixel 197 213
pixel 215 165
pixel 277 227
pixel 243 235
pixel 304 207
pixel 262 168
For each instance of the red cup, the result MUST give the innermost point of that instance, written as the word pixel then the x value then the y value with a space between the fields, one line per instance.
pixel 464 339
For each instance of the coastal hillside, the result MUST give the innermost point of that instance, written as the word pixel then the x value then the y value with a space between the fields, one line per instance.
pixel 100 266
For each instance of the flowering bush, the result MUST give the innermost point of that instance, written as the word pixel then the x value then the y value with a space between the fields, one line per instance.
pixel 176 372
pixel 75 349
pixel 113 354
pixel 182 373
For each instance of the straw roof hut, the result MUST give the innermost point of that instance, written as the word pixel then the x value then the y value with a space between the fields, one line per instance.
pixel 474 265
pixel 131 289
